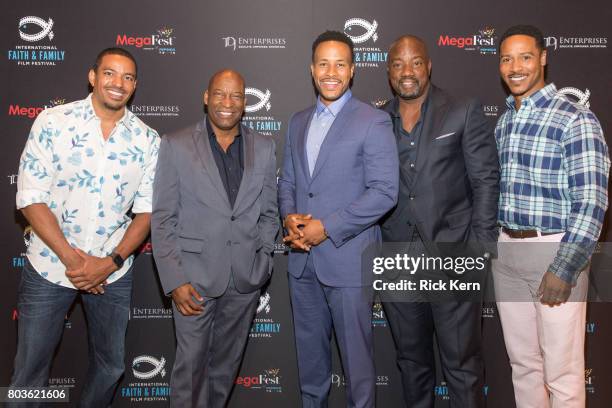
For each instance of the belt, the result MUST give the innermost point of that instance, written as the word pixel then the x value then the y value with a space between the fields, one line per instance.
pixel 520 234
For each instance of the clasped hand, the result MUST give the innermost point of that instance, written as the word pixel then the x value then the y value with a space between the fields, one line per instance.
pixel 304 232
pixel 89 272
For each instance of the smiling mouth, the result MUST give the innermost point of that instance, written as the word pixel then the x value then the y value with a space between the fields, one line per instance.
pixel 330 84
pixel 225 114
pixel 516 78
pixel 115 94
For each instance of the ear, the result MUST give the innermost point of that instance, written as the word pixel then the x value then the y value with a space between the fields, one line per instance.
pixel 206 97
pixel 352 69
pixel 312 69
pixel 429 68
pixel 543 58
pixel 91 76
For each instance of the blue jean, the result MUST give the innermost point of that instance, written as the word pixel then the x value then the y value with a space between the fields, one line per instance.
pixel 42 306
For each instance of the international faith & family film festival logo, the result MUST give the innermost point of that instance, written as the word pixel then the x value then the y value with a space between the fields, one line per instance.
pixel 257 114
pixel 162 41
pixel 364 34
pixel 484 41
pixel 150 380
pixel 264 325
pixel 38 47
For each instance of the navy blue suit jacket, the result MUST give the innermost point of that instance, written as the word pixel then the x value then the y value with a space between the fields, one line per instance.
pixel 354 183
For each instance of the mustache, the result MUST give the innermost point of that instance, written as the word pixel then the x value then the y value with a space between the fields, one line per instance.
pixel 409 77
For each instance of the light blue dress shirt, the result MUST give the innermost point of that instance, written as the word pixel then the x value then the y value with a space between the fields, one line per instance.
pixel 320 124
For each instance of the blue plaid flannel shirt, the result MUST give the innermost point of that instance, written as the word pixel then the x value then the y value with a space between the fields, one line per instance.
pixel 554 174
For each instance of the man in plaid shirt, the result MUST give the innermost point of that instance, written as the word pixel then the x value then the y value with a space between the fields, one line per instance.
pixel 554 178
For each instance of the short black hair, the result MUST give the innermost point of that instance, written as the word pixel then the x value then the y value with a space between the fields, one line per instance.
pixel 330 35
pixel 114 51
pixel 523 29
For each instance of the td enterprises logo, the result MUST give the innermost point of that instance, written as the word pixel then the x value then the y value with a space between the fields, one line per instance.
pixel 362 31
pixel 31 112
pixel 263 325
pixel 163 41
pixel 153 386
pixel 338 380
pixel 485 41
pixel 33 30
pixel 241 43
pixel 562 42
pixel 259 104
pixel 159 111
pixel 268 381
pixel 588 381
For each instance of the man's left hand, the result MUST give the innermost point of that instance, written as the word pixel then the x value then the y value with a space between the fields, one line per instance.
pixel 553 291
pixel 314 232
pixel 94 272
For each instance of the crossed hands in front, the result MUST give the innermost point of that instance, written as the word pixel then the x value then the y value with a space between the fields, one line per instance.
pixel 303 231
pixel 88 272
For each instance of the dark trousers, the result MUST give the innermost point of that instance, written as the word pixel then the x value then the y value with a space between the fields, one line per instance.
pixel 42 307
pixel 209 349
pixel 317 309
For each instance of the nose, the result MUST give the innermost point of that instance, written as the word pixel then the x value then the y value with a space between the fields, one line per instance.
pixel 117 81
pixel 226 100
pixel 516 64
pixel 332 70
pixel 407 70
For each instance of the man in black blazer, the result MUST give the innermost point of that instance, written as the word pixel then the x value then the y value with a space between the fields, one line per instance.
pixel 449 187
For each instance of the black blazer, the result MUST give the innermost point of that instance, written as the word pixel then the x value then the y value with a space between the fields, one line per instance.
pixel 455 195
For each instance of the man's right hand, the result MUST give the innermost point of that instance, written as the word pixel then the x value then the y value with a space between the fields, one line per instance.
pixel 292 224
pixel 184 296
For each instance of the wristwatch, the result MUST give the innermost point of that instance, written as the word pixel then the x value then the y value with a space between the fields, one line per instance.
pixel 117 259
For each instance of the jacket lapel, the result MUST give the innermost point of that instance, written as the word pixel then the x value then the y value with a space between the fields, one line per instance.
pixel 249 162
pixel 200 139
pixel 302 134
pixel 434 118
pixel 333 135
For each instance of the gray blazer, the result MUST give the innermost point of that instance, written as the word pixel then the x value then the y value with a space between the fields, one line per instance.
pixel 197 236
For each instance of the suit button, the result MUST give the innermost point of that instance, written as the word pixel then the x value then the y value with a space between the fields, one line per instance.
pixel 228 243
pixel 232 218
pixel 411 197
pixel 310 195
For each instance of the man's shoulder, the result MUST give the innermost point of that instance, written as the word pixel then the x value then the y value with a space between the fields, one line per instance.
pixel 364 111
pixel 183 133
pixel 75 109
pixel 138 126
pixel 259 139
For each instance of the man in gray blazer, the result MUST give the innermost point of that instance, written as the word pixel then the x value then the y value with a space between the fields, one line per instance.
pixel 213 226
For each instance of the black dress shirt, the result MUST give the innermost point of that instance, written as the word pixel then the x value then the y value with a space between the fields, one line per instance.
pixel 229 163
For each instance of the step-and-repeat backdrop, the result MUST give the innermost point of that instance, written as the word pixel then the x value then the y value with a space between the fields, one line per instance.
pixel 49 46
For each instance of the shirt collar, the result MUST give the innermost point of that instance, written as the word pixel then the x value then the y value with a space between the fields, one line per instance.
pixel 336 106
pixel 91 113
pixel 211 132
pixel 537 99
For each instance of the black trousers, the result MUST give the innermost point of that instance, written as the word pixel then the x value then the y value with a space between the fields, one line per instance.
pixel 457 326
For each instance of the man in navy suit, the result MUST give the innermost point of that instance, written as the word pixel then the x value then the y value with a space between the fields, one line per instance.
pixel 340 175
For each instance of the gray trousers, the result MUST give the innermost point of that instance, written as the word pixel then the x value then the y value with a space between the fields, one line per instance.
pixel 209 349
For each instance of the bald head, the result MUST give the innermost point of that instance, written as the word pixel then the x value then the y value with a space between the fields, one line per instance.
pixel 225 101
pixel 225 74
pixel 409 68
pixel 409 41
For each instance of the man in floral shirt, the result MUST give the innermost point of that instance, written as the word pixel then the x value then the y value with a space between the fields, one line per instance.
pixel 85 165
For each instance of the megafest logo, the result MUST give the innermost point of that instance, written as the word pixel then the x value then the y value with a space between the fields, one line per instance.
pixel 241 43
pixel 263 325
pixel 563 42
pixel 364 34
pixel 257 112
pixel 378 315
pixel 159 111
pixel 588 381
pixel 268 381
pixel 162 41
pixel 151 380
pixel 32 111
pixel 38 48
pixel 484 41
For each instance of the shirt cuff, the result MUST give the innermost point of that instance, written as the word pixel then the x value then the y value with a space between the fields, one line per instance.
pixel 571 259
pixel 32 196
